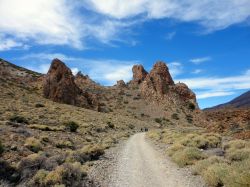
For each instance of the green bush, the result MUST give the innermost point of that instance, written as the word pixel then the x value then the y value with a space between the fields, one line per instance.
pixel 71 126
pixel 19 119
pixel 191 106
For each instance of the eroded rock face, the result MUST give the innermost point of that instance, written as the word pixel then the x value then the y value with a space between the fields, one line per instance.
pixel 59 85
pixel 139 74
pixel 184 92
pixel 158 80
pixel 121 84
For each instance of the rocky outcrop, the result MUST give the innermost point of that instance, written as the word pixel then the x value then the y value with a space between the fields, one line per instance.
pixel 121 84
pixel 139 74
pixel 159 87
pixel 59 86
pixel 158 80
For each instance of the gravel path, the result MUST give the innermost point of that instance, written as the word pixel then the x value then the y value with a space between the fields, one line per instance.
pixel 136 163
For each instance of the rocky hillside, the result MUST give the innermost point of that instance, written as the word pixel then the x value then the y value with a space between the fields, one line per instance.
pixel 243 101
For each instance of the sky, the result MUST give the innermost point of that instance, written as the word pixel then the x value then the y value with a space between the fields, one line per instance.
pixel 206 43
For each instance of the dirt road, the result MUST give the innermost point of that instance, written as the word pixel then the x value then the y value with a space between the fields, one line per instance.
pixel 139 164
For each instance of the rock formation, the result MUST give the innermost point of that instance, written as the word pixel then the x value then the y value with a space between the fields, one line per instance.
pixel 159 87
pixel 121 84
pixel 139 74
pixel 59 86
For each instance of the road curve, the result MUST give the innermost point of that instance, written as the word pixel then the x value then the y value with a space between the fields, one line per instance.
pixel 140 165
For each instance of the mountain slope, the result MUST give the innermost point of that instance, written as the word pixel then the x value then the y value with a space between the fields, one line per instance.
pixel 239 102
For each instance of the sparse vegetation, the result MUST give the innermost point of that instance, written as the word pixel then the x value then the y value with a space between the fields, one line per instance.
pixel 187 156
pixel 71 126
pixel 64 144
pixel 110 125
pixel 33 144
pixel 18 119
pixel 175 116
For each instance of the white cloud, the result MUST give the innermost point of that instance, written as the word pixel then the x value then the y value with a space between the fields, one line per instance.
pixel 44 21
pixel 8 43
pixel 170 35
pixel 197 71
pixel 200 60
pixel 175 68
pixel 105 71
pixel 41 68
pixel 218 86
pixel 214 15
pixel 72 23
pixel 204 95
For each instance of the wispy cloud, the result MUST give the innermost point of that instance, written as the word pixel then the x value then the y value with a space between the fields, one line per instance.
pixel 213 15
pixel 175 68
pixel 73 23
pixel 218 86
pixel 200 60
pixel 170 35
pixel 105 71
pixel 197 71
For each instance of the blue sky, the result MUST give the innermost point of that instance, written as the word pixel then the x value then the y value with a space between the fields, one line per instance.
pixel 206 44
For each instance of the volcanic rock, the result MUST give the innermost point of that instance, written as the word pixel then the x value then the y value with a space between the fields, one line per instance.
pixel 139 74
pixel 59 85
pixel 158 80
pixel 121 84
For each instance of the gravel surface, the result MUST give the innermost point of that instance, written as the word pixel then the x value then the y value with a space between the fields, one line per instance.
pixel 136 163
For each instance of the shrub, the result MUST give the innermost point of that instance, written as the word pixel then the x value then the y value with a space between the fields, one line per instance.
pixel 110 125
pixel 202 165
pixel 239 174
pixel 28 165
pixel 39 105
pixel 187 156
pixel 175 116
pixel 33 144
pixel 238 155
pixel 191 106
pixel 71 126
pixel 69 174
pixel 45 128
pixel 1 148
pixel 215 175
pixel 235 144
pixel 88 153
pixel 158 120
pixel 64 144
pixel 174 148
pixel 19 119
pixel 39 178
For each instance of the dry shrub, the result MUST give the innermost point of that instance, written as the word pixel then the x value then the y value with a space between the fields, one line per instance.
pixel 64 144
pixel 238 155
pixel 187 156
pixel 33 144
pixel 69 174
pixel 174 148
pixel 87 153
pixel 216 174
pixel 28 165
pixel 202 165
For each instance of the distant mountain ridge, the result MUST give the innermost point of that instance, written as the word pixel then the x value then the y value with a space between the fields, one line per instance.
pixel 243 101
